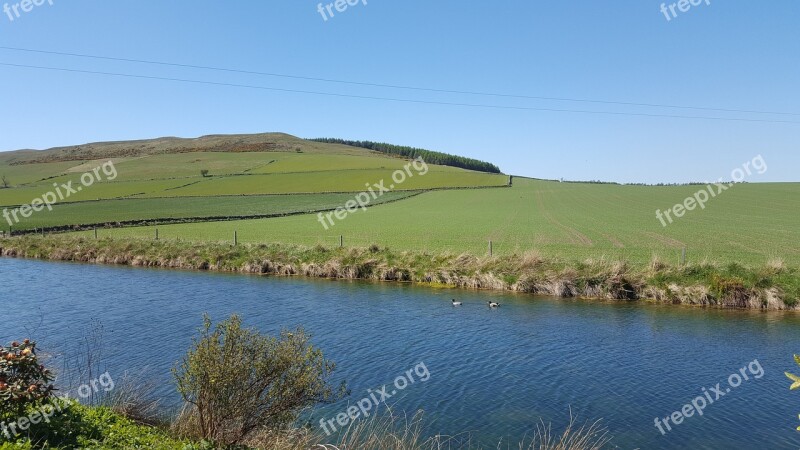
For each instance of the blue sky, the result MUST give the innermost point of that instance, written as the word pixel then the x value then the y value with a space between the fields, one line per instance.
pixel 735 54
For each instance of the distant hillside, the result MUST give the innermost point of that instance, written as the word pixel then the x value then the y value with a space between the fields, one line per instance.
pixel 210 178
pixel 234 143
pixel 429 156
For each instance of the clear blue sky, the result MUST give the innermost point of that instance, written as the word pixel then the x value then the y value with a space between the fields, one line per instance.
pixel 733 54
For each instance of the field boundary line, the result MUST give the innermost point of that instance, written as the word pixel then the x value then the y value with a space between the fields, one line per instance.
pixel 454 188
pixel 243 174
pixel 182 220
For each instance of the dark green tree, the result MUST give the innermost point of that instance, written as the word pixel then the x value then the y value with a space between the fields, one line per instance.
pixel 428 156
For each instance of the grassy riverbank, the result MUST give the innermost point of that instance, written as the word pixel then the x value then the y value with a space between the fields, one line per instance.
pixel 106 428
pixel 773 286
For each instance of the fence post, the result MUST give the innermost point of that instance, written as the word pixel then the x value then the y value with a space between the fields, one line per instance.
pixel 156 233
pixel 341 241
pixel 235 237
pixel 683 256
pixel 95 232
pixel 490 248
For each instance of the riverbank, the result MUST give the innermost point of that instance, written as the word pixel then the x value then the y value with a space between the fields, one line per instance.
pixel 774 286
pixel 120 427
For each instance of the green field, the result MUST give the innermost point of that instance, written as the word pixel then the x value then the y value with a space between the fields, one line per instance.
pixel 292 183
pixel 112 211
pixel 749 223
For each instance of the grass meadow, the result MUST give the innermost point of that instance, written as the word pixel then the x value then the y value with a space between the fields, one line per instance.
pixel 748 224
pixel 153 209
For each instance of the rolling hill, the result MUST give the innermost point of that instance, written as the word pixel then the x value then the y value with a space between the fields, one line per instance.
pixel 270 187
pixel 213 177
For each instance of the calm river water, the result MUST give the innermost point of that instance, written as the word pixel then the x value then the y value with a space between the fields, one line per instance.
pixel 494 373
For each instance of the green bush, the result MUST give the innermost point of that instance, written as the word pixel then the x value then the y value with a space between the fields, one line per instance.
pixel 237 382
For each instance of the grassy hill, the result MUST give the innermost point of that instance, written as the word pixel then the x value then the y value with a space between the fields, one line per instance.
pixel 161 179
pixel 267 175
pixel 229 143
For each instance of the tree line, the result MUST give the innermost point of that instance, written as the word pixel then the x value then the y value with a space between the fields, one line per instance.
pixel 429 156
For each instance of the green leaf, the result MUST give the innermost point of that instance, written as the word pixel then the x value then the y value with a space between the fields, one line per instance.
pixel 794 378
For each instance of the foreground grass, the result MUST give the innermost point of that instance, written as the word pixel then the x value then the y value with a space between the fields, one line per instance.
pixel 100 427
pixel 82 426
pixel 770 286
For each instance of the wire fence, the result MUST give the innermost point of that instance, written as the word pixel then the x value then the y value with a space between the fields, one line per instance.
pixel 454 245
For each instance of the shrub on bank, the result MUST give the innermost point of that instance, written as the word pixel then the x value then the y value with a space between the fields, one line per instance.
pixel 237 382
pixel 32 417
pixel 24 383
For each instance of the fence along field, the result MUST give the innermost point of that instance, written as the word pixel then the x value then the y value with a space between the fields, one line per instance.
pixel 753 224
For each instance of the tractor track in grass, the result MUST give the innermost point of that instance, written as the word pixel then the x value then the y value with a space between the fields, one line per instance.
pixel 576 236
pixel 614 241
pixel 669 242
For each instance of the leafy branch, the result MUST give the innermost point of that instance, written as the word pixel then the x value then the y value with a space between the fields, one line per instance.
pixel 795 380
